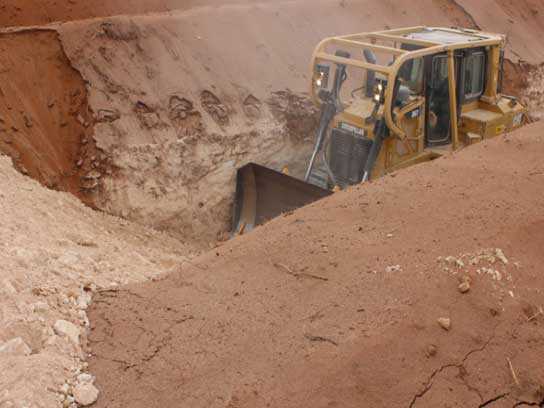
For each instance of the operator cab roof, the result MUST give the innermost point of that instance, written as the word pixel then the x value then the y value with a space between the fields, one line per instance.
pixel 447 36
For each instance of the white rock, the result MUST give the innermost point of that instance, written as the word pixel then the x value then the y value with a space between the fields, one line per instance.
pixel 16 346
pixel 445 323
pixel 40 307
pixel 500 254
pixel 65 389
pixel 70 330
pixel 85 378
pixel 83 301
pixel 85 394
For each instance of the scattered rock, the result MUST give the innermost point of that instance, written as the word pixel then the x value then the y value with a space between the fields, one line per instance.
pixel 85 378
pixel 65 389
pixel 445 323
pixel 431 350
pixel 108 115
pixel 85 394
pixel 500 255
pixel 451 260
pixel 92 175
pixel 28 121
pixel 464 286
pixel 16 346
pixel 70 330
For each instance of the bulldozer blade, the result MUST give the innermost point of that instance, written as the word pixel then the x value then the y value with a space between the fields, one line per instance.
pixel 263 194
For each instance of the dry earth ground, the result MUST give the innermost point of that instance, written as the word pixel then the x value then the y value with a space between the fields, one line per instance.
pixel 339 304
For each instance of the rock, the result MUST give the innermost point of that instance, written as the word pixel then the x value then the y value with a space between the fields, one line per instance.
pixel 451 260
pixel 70 330
pixel 40 307
pixel 65 389
pixel 68 402
pixel 108 115
pixel 500 254
pixel 464 286
pixel 445 323
pixel 85 394
pixel 92 175
pixel 16 347
pixel 85 378
pixel 83 301
pixel 431 350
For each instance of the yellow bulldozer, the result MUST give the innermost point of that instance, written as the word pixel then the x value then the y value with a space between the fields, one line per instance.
pixel 388 100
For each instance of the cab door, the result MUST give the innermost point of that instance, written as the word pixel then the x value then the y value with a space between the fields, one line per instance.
pixel 438 120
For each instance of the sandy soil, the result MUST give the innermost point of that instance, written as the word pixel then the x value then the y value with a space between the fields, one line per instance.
pixel 54 253
pixel 147 117
pixel 38 12
pixel 337 304
pixel 154 113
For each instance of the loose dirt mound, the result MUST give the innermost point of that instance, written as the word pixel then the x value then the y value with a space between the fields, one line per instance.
pixel 358 300
pixel 54 252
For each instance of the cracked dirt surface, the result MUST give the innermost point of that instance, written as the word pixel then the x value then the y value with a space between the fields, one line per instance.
pixel 307 312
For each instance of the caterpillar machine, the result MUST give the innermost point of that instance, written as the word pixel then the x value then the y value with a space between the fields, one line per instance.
pixel 388 100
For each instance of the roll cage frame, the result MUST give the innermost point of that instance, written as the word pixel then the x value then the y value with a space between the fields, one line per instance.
pixel 362 41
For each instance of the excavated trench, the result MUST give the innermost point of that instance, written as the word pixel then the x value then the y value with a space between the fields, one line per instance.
pixel 168 163
pixel 164 160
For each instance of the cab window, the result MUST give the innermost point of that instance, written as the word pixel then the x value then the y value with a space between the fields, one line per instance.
pixel 474 75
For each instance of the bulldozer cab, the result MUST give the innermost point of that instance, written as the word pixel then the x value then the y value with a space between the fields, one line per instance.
pixel 388 100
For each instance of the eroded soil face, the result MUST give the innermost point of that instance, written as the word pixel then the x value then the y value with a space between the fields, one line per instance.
pixel 45 123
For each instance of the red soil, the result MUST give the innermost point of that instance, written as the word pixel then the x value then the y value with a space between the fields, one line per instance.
pixel 45 125
pixel 336 305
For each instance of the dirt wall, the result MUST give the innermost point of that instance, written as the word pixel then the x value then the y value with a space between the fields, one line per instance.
pixel 45 122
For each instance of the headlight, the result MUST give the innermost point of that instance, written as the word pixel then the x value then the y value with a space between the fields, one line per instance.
pixel 377 97
pixel 322 76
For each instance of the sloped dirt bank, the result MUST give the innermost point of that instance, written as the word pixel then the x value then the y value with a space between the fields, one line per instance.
pixel 422 289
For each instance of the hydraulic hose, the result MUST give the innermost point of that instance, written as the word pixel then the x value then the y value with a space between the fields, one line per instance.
pixel 331 105
pixel 380 134
pixel 328 110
